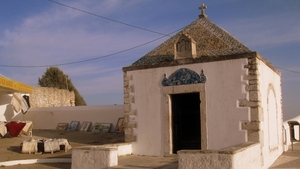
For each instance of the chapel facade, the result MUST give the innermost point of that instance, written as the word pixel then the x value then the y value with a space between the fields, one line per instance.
pixel 203 89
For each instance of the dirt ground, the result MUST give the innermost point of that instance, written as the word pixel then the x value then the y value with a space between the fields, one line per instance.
pixel 10 150
pixel 10 147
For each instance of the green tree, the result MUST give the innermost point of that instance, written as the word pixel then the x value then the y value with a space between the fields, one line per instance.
pixel 54 77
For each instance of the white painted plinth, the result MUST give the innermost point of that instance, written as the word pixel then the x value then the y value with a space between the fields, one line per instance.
pixel 245 156
pixel 94 157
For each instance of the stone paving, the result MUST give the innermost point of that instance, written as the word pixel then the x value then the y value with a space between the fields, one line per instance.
pixel 289 159
pixel 10 150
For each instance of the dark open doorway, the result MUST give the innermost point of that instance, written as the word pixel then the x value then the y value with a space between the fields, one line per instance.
pixel 186 121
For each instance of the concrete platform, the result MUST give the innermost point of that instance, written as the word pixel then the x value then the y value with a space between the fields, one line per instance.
pixel 10 150
pixel 289 159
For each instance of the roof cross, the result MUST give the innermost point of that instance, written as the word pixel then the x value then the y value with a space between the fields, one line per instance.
pixel 202 8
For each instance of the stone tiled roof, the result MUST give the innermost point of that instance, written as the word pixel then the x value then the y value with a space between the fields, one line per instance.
pixel 211 41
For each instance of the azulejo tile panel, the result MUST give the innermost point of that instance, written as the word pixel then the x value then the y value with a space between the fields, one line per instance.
pixel 183 76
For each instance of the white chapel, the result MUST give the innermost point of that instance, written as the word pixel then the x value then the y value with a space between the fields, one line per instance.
pixel 204 91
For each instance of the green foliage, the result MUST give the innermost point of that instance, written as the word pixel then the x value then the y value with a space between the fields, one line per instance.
pixel 54 77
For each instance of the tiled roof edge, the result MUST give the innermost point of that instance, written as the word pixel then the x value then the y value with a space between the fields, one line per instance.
pixel 191 61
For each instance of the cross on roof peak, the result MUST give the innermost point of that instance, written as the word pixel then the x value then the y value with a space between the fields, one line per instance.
pixel 202 8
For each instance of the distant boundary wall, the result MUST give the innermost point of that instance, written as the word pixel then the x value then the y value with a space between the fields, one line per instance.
pixel 49 117
pixel 51 97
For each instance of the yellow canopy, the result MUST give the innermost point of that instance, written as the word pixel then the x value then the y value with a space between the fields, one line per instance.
pixel 10 86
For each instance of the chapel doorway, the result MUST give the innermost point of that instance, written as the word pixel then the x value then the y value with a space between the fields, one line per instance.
pixel 186 121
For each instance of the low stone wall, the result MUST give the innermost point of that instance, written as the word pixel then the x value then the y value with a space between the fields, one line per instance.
pixel 246 156
pixel 49 117
pixel 51 97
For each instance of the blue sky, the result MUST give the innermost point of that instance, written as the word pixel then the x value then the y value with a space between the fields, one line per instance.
pixel 39 33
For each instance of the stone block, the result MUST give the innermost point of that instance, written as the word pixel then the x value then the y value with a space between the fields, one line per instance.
pixel 128 78
pixel 253 61
pixel 127 107
pixel 257 114
pixel 256 136
pixel 252 88
pixel 126 83
pixel 132 99
pixel 129 99
pixel 254 82
pixel 132 119
pixel 131 89
pixel 126 100
pixel 253 72
pixel 253 126
pixel 131 125
pixel 126 95
pixel 254 96
pixel 253 136
pixel 94 157
pixel 126 89
pixel 251 67
pixel 128 131
pixel 130 113
pixel 246 103
pixel 126 119
pixel 250 77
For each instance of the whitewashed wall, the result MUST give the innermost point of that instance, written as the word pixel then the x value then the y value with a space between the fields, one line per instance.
pixel 49 117
pixel 270 89
pixel 224 87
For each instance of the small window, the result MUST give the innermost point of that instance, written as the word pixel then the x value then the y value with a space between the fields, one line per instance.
pixel 185 48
